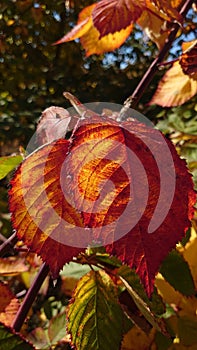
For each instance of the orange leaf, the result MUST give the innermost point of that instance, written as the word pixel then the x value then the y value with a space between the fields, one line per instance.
pixel 175 88
pixel 188 59
pixel 9 305
pixel 90 36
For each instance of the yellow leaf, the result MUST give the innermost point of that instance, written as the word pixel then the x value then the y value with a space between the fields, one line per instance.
pixel 154 26
pixel 175 88
pixel 190 255
pixel 181 304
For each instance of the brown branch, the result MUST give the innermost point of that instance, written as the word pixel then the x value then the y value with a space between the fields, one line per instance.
pixel 133 100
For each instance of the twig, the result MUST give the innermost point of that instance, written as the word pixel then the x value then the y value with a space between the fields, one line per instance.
pixel 133 100
pixel 30 297
pixel 8 245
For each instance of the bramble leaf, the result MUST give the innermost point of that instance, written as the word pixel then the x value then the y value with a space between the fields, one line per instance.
pixel 90 36
pixel 105 25
pixel 94 313
pixel 175 88
pixel 103 187
pixel 32 208
pixel 112 16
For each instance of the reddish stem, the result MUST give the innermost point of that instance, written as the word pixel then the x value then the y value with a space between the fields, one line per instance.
pixel 133 100
pixel 30 297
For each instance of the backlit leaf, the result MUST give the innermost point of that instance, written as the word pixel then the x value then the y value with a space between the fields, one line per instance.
pixel 8 305
pixel 34 220
pixel 90 190
pixel 90 36
pixel 112 16
pixel 95 319
pixel 9 340
pixel 175 88
pixel 9 163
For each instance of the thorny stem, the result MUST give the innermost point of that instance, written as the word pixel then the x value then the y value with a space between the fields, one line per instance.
pixel 8 245
pixel 133 100
pixel 30 297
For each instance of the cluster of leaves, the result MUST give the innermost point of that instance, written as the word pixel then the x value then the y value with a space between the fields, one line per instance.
pixel 109 308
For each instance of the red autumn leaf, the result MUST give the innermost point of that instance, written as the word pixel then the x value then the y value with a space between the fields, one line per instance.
pixel 112 16
pixel 188 59
pixel 118 185
pixel 9 305
pixel 175 88
pixel 36 222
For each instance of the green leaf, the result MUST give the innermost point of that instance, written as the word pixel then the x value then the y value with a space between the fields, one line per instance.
pixel 39 338
pixel 162 342
pixel 176 271
pixel 7 164
pixel 155 304
pixel 157 323
pixel 95 318
pixel 187 328
pixel 9 340
pixel 57 328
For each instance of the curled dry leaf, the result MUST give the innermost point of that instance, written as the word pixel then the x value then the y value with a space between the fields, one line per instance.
pixel 54 123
